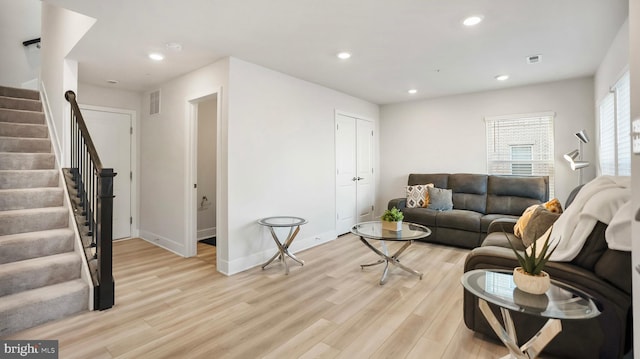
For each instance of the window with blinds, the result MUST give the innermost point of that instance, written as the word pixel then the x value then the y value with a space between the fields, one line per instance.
pixel 614 150
pixel 521 145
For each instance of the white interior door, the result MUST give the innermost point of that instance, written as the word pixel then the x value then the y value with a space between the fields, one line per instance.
pixel 354 172
pixel 111 135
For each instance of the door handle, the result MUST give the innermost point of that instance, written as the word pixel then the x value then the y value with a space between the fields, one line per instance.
pixel 354 179
pixel 357 178
pixel 360 178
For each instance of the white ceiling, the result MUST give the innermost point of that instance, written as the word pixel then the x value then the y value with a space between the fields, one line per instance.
pixel 396 45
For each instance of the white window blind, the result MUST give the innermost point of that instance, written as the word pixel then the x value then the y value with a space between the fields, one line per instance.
pixel 521 145
pixel 614 150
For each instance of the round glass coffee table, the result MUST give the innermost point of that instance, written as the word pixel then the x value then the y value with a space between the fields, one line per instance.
pixel 293 223
pixel 374 231
pixel 560 302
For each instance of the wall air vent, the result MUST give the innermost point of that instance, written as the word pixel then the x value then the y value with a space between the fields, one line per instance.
pixel 154 102
pixel 534 59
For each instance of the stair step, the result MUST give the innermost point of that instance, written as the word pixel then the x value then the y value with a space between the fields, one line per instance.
pixel 21 116
pixel 19 93
pixel 27 161
pixel 32 220
pixel 21 246
pixel 37 306
pixel 29 130
pixel 16 277
pixel 28 178
pixel 28 145
pixel 20 103
pixel 24 198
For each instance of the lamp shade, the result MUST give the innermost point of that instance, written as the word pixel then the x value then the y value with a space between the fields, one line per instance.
pixel 582 136
pixel 571 156
pixel 579 165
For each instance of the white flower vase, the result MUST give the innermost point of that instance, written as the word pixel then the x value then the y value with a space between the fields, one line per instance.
pixel 392 226
pixel 533 284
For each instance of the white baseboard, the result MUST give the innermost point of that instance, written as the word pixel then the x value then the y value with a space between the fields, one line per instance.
pixel 300 244
pixel 206 233
pixel 166 243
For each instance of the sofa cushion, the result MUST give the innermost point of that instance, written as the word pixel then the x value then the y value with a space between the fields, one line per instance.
pixel 459 219
pixel 486 220
pixel 440 199
pixel 513 194
pixel 469 191
pixel 540 221
pixel 440 180
pixel 499 239
pixel 418 196
pixel 423 216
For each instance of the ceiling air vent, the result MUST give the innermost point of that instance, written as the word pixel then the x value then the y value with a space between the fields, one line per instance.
pixel 154 102
pixel 534 59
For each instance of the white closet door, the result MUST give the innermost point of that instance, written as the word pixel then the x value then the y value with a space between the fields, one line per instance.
pixel 354 172
pixel 110 132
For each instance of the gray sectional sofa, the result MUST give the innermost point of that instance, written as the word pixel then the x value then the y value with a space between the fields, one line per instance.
pixel 478 199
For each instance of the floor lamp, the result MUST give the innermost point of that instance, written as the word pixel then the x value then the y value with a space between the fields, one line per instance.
pixel 575 157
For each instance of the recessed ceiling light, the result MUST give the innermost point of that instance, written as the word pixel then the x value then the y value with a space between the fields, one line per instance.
pixel 502 77
pixel 155 56
pixel 473 20
pixel 412 91
pixel 343 55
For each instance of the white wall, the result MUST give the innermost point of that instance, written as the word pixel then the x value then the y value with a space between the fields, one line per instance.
pixel 20 22
pixel 207 146
pixel 61 31
pixel 634 60
pixel 614 63
pixel 281 158
pixel 448 134
pixel 164 149
pixel 109 97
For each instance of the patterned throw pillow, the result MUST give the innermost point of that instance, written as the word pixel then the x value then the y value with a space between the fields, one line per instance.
pixel 418 196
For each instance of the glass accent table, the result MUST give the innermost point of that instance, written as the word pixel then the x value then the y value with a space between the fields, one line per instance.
pixel 373 231
pixel 293 223
pixel 561 301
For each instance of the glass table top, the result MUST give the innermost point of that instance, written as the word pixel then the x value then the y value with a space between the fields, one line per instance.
pixel 561 301
pixel 373 230
pixel 282 221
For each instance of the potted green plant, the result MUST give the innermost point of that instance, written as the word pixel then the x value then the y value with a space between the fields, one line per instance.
pixel 392 219
pixel 529 276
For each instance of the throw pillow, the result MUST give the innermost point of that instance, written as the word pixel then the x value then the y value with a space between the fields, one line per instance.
pixel 440 199
pixel 521 224
pixel 553 206
pixel 541 220
pixel 417 196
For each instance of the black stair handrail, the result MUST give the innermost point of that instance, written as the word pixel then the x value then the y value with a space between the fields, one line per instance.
pixel 93 206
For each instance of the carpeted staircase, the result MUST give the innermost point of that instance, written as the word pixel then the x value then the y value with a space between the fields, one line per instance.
pixel 39 270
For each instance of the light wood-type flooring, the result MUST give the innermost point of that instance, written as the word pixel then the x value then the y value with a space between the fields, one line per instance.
pixel 173 307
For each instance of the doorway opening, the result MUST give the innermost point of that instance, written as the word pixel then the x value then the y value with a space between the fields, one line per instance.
pixel 202 192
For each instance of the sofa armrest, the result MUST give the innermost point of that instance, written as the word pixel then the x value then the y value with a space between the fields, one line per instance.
pixel 502 224
pixel 399 203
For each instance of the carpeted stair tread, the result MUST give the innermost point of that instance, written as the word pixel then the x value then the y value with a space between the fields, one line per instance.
pixel 27 161
pixel 24 198
pixel 37 306
pixel 7 91
pixel 22 116
pixel 17 103
pixel 27 130
pixel 34 273
pixel 28 145
pixel 29 178
pixel 32 220
pixel 21 246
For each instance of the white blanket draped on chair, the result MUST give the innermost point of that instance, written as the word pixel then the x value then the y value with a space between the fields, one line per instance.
pixel 605 199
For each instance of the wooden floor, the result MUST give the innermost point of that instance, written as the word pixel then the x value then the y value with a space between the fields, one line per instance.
pixel 173 307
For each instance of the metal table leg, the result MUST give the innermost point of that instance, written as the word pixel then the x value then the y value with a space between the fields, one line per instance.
pixel 283 249
pixel 507 335
pixel 386 259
